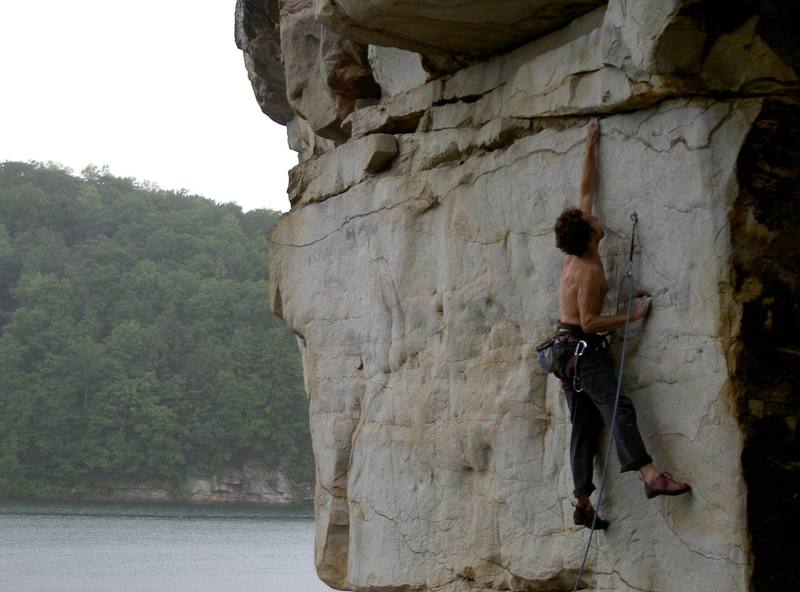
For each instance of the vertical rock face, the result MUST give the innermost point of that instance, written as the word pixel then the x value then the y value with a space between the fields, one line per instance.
pixel 417 267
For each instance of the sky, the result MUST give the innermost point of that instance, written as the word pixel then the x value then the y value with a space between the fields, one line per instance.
pixel 155 89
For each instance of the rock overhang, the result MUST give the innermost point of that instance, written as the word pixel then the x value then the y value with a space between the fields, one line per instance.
pixel 257 34
pixel 462 29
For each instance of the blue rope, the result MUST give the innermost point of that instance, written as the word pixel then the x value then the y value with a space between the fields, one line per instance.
pixel 628 276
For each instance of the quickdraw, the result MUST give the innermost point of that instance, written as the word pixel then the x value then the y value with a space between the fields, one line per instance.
pixel 580 348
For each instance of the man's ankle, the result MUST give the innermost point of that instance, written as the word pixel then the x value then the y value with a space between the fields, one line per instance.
pixel 648 473
pixel 582 501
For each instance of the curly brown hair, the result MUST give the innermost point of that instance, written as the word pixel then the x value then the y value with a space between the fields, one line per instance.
pixel 572 232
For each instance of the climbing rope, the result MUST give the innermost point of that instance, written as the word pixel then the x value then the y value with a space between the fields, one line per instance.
pixel 628 276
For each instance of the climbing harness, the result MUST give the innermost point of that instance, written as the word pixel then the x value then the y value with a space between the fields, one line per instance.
pixel 627 277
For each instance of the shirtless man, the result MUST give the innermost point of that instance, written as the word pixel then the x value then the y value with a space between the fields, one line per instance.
pixel 582 293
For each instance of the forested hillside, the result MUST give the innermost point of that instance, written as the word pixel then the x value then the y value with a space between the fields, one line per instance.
pixel 135 337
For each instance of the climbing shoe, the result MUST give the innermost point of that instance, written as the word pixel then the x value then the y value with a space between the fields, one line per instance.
pixel 584 517
pixel 664 484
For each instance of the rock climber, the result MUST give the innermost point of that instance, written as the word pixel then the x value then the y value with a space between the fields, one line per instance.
pixel 588 380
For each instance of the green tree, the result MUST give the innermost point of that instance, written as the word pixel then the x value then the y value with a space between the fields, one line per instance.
pixel 135 342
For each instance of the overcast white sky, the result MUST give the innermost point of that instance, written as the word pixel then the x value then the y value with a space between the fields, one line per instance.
pixel 156 89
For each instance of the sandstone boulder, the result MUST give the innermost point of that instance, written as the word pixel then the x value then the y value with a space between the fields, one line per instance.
pixel 325 73
pixel 303 140
pixel 396 70
pixel 340 169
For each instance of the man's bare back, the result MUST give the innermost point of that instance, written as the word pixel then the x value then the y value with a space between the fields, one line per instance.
pixel 578 272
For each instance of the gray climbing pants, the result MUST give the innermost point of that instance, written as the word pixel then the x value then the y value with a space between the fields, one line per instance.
pixel 593 407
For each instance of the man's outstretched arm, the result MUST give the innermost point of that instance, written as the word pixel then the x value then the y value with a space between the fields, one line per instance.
pixel 589 177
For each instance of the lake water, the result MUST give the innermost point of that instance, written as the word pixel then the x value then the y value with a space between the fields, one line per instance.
pixel 133 547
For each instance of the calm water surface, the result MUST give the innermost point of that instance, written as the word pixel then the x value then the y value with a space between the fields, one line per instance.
pixel 131 547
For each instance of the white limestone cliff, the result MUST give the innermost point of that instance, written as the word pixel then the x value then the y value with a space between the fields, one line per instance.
pixel 418 269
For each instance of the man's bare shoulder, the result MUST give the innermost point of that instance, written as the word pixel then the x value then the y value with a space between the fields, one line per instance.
pixel 586 268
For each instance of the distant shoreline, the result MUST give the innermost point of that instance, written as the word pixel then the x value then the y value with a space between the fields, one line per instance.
pixel 157 496
pixel 252 484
